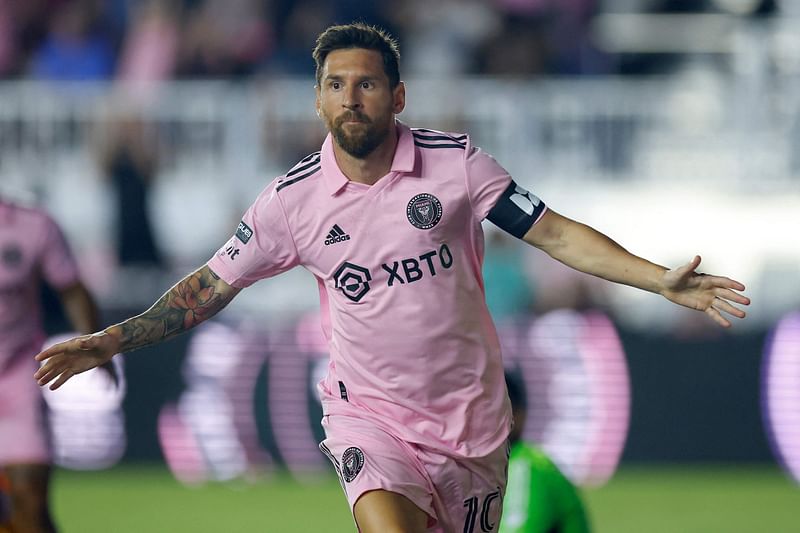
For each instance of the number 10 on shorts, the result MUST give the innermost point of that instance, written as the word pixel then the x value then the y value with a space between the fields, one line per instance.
pixel 472 505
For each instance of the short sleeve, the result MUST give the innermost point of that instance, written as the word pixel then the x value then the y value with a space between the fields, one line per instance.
pixel 261 247
pixel 486 180
pixel 495 195
pixel 58 265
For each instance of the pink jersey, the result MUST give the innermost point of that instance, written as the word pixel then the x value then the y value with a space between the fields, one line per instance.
pixel 32 249
pixel 412 346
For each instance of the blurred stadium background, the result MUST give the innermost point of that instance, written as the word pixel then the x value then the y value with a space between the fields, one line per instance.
pixel 147 127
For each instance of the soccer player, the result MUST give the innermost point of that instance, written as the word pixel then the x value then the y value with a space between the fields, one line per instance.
pixel 539 498
pixel 32 250
pixel 388 219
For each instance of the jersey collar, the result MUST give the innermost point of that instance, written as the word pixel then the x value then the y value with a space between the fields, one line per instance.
pixel 403 162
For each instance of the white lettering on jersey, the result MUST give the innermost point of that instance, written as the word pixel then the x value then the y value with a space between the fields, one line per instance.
pixel 526 201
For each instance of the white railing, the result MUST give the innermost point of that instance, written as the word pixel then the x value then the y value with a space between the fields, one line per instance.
pixel 732 131
pixel 692 149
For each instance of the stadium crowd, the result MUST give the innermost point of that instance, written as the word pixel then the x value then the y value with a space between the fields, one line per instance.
pixel 235 39
pixel 189 39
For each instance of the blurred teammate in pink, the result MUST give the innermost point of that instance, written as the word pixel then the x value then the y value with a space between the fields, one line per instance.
pixel 32 251
pixel 388 220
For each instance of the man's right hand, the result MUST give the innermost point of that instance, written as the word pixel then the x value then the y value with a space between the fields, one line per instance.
pixel 195 298
pixel 68 358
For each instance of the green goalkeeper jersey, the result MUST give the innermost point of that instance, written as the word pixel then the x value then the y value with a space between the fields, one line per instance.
pixel 539 498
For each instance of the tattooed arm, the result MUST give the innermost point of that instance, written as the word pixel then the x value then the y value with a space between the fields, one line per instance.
pixel 189 302
pixel 192 300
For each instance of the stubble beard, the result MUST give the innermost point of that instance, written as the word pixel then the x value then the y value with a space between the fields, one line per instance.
pixel 363 139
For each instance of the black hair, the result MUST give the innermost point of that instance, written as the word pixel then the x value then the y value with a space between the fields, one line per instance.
pixel 359 35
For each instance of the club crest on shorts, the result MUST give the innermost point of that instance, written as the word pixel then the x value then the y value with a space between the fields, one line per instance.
pixel 352 463
pixel 424 211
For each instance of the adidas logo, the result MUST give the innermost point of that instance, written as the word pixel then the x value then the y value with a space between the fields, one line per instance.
pixel 336 234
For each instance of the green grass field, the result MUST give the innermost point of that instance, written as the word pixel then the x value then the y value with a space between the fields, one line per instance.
pixel 682 499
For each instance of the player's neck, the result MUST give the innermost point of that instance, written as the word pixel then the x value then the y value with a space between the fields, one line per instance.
pixel 372 167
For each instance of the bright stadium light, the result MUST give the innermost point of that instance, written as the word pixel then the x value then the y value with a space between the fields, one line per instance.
pixel 86 417
pixel 578 389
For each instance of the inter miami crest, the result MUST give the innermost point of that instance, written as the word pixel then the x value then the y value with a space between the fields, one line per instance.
pixel 352 463
pixel 424 211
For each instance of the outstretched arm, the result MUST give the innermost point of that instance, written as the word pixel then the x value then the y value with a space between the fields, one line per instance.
pixel 82 313
pixel 189 302
pixel 585 249
pixel 194 299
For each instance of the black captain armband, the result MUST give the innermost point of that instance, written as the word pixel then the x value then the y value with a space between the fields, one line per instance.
pixel 516 210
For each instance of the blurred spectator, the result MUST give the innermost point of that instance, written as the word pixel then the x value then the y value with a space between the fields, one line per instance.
pixel 77 47
pixel 150 49
pixel 8 44
pixel 441 38
pixel 159 39
pixel 518 48
pixel 225 38
pixel 543 37
pixel 297 25
pixel 377 13
pixel 572 50
pixel 129 159
pixel 23 26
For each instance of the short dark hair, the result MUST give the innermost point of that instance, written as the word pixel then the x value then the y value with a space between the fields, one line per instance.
pixel 359 35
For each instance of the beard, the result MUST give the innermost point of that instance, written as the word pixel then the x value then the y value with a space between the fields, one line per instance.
pixel 363 138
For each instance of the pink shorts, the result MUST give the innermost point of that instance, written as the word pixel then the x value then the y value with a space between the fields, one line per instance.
pixel 459 495
pixel 24 436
